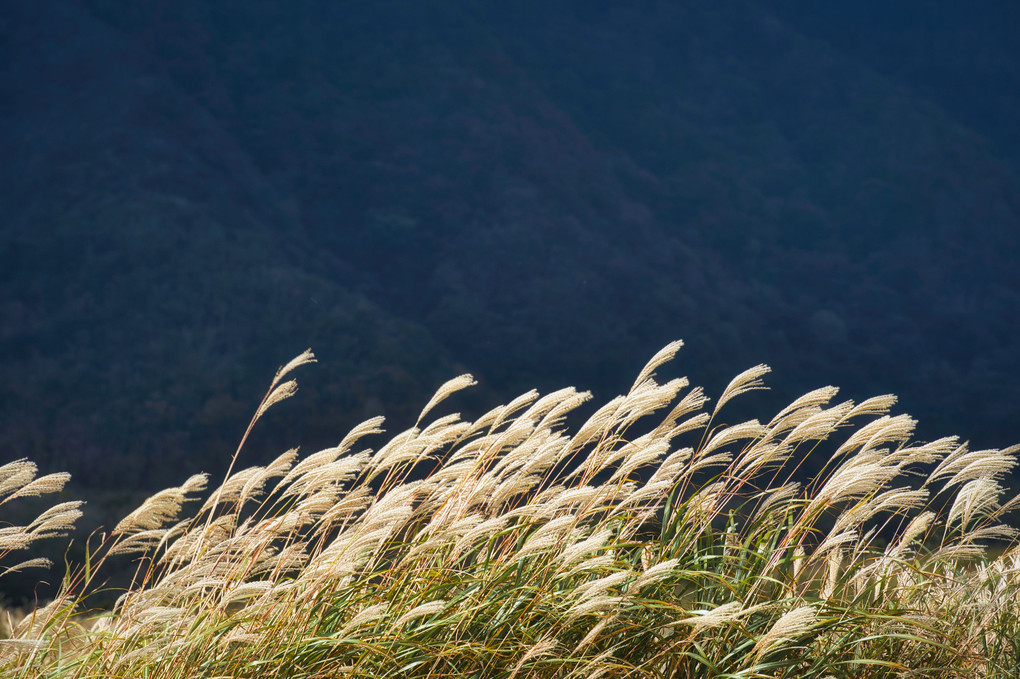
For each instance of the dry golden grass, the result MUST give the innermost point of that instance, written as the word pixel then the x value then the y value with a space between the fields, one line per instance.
pixel 650 542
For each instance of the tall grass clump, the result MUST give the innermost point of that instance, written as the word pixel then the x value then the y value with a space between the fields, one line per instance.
pixel 653 540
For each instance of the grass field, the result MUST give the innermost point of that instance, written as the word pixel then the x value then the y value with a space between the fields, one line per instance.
pixel 650 541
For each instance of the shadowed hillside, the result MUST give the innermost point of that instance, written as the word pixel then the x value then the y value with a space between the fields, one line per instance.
pixel 542 193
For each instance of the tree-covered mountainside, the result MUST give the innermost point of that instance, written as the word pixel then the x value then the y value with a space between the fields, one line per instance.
pixel 542 193
pixel 963 56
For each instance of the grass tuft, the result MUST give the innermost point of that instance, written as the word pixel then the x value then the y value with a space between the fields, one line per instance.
pixel 650 542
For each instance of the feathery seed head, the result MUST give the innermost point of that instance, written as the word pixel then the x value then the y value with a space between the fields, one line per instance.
pixel 789 626
pixel 364 616
pixel 426 609
pixel 593 605
pixel 445 391
pixel 56 520
pixel 715 617
pixel 658 572
pixel 44 485
pixel 597 587
pixel 16 475
pixel 749 380
pixel 975 499
pixel 662 356
pixel 583 548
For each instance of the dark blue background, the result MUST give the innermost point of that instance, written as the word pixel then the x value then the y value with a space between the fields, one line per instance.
pixel 542 193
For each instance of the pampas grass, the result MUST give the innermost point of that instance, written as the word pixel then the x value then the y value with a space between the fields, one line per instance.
pixel 653 541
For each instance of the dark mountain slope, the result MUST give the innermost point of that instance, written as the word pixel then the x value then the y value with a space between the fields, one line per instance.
pixel 154 278
pixel 196 191
pixel 962 55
